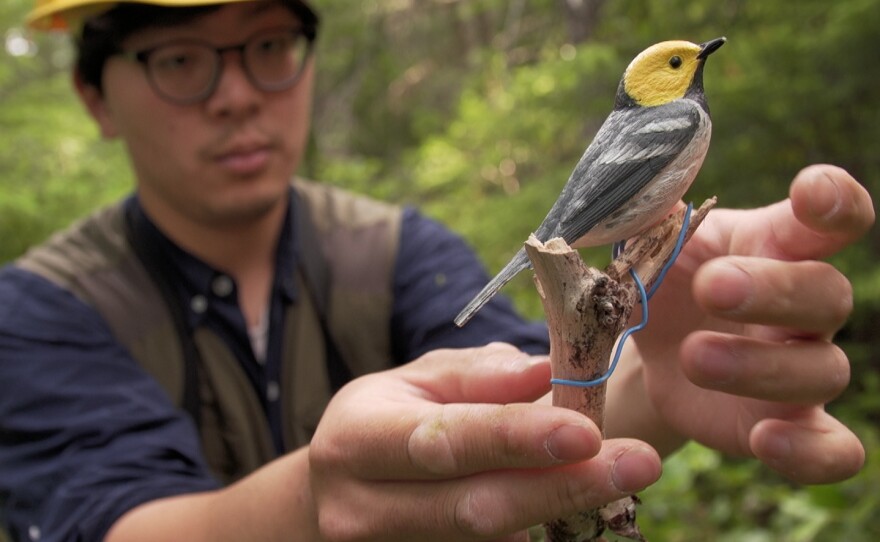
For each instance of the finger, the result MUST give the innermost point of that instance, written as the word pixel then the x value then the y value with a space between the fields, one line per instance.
pixel 827 210
pixel 815 450
pixel 492 504
pixel 798 372
pixel 496 373
pixel 830 202
pixel 810 297
pixel 457 440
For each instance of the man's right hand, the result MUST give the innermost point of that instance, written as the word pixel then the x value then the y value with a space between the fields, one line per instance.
pixel 452 447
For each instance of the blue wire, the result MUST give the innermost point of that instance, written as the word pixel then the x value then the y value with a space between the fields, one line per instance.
pixel 675 251
pixel 616 250
pixel 638 327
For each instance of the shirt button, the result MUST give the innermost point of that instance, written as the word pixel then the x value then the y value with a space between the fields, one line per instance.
pixel 273 391
pixel 34 532
pixel 198 304
pixel 222 286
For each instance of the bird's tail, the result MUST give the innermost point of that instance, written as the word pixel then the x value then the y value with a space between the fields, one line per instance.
pixel 519 262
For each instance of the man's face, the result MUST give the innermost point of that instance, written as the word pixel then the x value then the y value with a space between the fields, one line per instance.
pixel 220 162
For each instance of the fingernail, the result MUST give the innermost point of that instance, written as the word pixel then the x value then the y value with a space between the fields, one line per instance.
pixel 825 198
pixel 732 287
pixel 635 469
pixel 777 448
pixel 572 442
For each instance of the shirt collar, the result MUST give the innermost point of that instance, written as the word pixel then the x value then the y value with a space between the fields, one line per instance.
pixel 198 282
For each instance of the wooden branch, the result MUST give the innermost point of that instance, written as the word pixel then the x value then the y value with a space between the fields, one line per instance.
pixel 649 252
pixel 586 311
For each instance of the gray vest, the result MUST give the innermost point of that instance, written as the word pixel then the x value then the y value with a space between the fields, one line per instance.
pixel 348 248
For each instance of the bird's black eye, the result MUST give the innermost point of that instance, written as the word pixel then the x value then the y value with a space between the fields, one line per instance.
pixel 675 62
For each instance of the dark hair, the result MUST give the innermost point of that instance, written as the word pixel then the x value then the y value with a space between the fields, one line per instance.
pixel 101 36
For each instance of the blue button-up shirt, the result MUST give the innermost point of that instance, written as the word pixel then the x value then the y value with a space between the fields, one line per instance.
pixel 86 434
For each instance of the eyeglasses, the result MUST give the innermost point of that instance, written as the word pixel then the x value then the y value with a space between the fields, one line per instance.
pixel 187 71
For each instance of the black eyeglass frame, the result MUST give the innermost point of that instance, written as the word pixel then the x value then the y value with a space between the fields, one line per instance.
pixel 142 57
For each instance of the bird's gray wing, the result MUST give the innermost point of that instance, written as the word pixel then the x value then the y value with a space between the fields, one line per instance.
pixel 632 146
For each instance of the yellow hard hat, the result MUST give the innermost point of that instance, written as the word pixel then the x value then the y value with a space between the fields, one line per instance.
pixel 65 14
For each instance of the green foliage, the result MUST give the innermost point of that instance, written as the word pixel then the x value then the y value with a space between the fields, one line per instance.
pixel 705 497
pixel 477 111
pixel 53 167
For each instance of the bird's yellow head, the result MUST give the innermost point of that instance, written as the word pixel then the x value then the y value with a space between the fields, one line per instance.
pixel 666 71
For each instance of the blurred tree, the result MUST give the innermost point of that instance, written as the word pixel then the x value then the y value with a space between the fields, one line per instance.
pixel 53 167
pixel 582 16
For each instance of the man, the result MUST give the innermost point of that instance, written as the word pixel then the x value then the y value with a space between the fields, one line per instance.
pixel 165 366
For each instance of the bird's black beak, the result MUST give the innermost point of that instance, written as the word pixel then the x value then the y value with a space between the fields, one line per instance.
pixel 710 47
